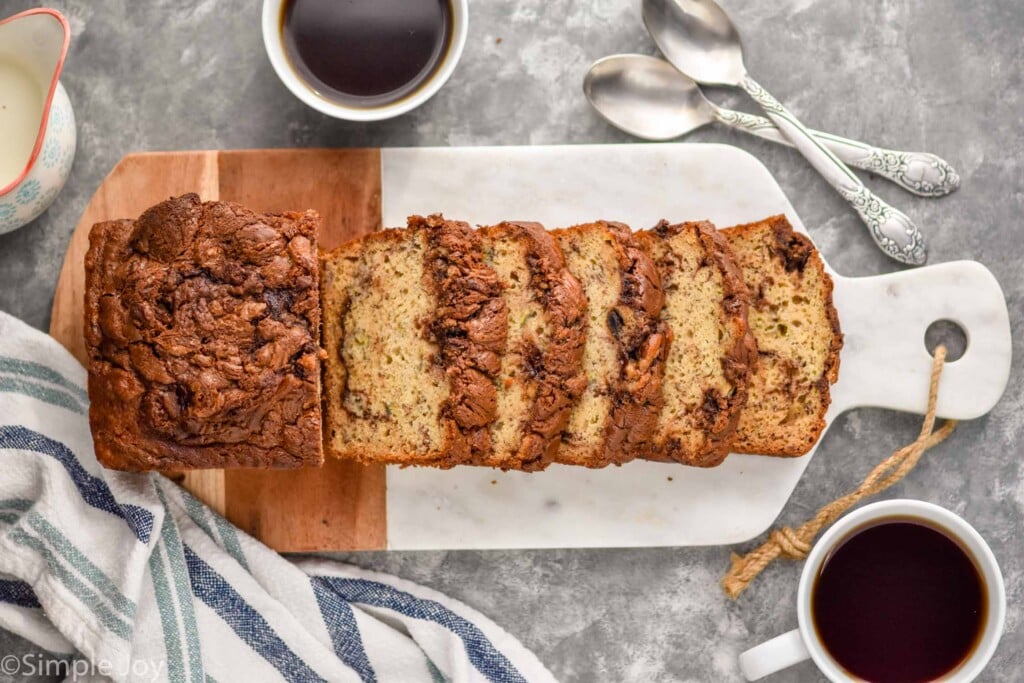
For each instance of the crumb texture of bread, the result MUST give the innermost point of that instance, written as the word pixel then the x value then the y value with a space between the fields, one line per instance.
pixel 394 387
pixel 709 357
pixel 541 375
pixel 414 328
pixel 798 338
pixel 625 350
pixel 202 323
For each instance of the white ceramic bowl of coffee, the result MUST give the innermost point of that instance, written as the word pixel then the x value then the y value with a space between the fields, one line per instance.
pixel 303 82
pixel 806 642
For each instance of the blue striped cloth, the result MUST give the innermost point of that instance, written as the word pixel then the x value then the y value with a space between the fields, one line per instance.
pixel 130 573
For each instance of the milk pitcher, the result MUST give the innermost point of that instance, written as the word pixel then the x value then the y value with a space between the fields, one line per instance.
pixel 37 124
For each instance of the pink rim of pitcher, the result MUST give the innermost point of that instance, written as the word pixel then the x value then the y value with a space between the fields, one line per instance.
pixel 49 96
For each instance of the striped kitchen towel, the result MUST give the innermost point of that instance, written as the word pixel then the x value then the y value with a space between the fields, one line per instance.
pixel 133 578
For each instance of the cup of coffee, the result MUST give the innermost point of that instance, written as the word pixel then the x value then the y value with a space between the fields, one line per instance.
pixel 899 590
pixel 364 60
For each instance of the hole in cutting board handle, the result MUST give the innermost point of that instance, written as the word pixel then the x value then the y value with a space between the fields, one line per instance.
pixel 949 333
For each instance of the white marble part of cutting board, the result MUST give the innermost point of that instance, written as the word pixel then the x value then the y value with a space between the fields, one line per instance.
pixel 883 363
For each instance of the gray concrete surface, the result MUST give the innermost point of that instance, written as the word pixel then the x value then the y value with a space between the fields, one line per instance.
pixel 937 75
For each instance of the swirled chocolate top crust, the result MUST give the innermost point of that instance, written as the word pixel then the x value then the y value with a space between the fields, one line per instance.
pixel 202 324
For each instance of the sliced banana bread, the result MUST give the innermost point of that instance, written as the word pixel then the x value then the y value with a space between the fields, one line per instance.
pixel 798 338
pixel 414 329
pixel 541 376
pixel 709 358
pixel 626 345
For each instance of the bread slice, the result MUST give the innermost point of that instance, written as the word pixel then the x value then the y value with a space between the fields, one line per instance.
pixel 626 345
pixel 798 338
pixel 709 358
pixel 541 375
pixel 414 329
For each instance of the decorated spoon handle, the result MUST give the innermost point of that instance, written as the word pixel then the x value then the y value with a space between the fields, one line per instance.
pixel 891 230
pixel 922 173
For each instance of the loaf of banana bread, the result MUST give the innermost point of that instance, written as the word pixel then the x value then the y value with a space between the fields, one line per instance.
pixel 202 322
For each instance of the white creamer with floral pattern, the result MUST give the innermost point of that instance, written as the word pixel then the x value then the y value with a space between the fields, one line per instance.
pixel 38 40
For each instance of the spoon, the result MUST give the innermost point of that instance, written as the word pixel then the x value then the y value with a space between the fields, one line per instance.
pixel 649 98
pixel 698 38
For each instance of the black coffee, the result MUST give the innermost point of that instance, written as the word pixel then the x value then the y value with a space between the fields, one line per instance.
pixel 899 601
pixel 366 52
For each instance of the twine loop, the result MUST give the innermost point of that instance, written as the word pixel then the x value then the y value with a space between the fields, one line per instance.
pixel 790 545
pixel 795 544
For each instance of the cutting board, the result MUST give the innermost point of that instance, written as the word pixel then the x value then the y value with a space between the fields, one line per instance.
pixel 345 506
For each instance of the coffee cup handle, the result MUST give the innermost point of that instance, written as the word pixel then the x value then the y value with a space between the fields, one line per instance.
pixel 773 655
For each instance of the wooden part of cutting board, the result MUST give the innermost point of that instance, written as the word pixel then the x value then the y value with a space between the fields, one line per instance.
pixel 340 506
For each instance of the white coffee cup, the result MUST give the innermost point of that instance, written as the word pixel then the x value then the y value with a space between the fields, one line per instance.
pixel 274 44
pixel 803 643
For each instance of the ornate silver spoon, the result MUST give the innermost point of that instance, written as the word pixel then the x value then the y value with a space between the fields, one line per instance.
pixel 698 38
pixel 647 97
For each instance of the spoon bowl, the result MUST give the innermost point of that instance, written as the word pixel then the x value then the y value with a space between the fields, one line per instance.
pixel 646 97
pixel 699 34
